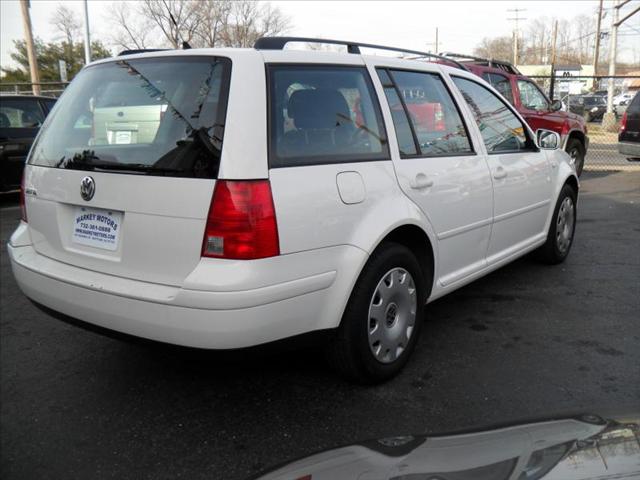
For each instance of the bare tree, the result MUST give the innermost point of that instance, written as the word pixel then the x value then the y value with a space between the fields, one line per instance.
pixel 585 37
pixel 537 41
pixel 214 19
pixel 131 30
pixel 163 13
pixel 498 48
pixel 248 22
pixel 202 23
pixel 273 21
pixel 66 24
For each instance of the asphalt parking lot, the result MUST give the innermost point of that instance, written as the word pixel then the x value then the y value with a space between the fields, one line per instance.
pixel 528 340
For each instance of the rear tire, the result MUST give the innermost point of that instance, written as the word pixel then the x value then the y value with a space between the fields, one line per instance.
pixel 577 152
pixel 383 318
pixel 562 228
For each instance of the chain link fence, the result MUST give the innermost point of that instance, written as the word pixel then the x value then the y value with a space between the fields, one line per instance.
pixel 47 89
pixel 587 96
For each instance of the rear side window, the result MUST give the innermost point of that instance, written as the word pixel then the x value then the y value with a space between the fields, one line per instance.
pixel 424 114
pixel 323 114
pixel 501 83
pixel 501 130
pixel 161 116
pixel 20 113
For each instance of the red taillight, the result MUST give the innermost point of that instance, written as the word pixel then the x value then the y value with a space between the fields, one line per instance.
pixel 23 206
pixel 242 222
pixel 623 122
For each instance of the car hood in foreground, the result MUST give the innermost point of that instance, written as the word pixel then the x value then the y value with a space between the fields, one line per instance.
pixel 579 448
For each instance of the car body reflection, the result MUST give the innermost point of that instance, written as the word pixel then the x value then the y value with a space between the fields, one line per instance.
pixel 585 447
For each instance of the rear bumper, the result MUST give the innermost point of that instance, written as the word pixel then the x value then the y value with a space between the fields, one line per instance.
pixel 194 317
pixel 631 149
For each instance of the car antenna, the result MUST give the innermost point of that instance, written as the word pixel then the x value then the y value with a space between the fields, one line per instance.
pixel 185 44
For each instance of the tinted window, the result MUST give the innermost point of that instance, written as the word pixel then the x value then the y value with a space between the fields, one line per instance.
pixel 406 143
pixel 634 105
pixel 323 115
pixel 20 113
pixel 594 101
pixel 531 97
pixel 48 104
pixel 501 130
pixel 502 84
pixel 436 122
pixel 160 115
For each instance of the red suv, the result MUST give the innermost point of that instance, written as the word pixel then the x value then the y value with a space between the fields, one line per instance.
pixel 532 103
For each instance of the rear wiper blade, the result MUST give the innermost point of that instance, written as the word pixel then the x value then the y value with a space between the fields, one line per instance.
pixel 132 167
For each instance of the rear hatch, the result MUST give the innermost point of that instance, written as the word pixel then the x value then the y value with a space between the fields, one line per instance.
pixel 121 177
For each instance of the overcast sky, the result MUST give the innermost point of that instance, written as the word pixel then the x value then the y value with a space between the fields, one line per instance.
pixel 462 24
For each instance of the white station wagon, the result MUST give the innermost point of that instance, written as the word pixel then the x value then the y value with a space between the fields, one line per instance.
pixel 227 198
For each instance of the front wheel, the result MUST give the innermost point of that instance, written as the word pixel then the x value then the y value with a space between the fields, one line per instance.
pixel 562 228
pixel 577 152
pixel 383 317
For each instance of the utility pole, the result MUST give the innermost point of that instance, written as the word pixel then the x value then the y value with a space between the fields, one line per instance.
pixel 553 59
pixel 596 53
pixel 436 44
pixel 516 19
pixel 609 119
pixel 87 39
pixel 31 51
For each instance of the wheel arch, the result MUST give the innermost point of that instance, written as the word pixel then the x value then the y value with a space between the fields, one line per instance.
pixel 577 134
pixel 566 176
pixel 418 242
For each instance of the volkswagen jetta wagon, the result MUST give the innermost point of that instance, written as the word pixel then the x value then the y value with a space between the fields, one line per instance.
pixel 281 192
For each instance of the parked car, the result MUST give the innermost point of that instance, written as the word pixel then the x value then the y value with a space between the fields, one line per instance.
pixel 575 104
pixel 595 107
pixel 621 108
pixel 623 97
pixel 532 104
pixel 629 136
pixel 301 193
pixel 20 120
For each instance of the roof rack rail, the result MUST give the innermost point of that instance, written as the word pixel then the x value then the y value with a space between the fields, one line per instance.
pixel 143 50
pixel 278 43
pixel 501 64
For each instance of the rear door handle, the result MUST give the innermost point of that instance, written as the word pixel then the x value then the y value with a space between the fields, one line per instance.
pixel 421 181
pixel 499 173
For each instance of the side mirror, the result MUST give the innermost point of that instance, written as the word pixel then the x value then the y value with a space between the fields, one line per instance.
pixel 547 140
pixel 556 105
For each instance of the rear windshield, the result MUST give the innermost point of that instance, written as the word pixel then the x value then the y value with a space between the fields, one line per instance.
pixel 157 116
pixel 323 114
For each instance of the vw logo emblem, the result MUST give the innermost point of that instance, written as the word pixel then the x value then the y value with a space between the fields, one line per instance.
pixel 87 188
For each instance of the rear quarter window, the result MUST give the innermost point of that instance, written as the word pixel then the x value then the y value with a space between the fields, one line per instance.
pixel 323 114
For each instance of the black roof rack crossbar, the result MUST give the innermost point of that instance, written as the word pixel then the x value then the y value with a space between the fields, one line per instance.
pixel 143 50
pixel 278 43
pixel 489 61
